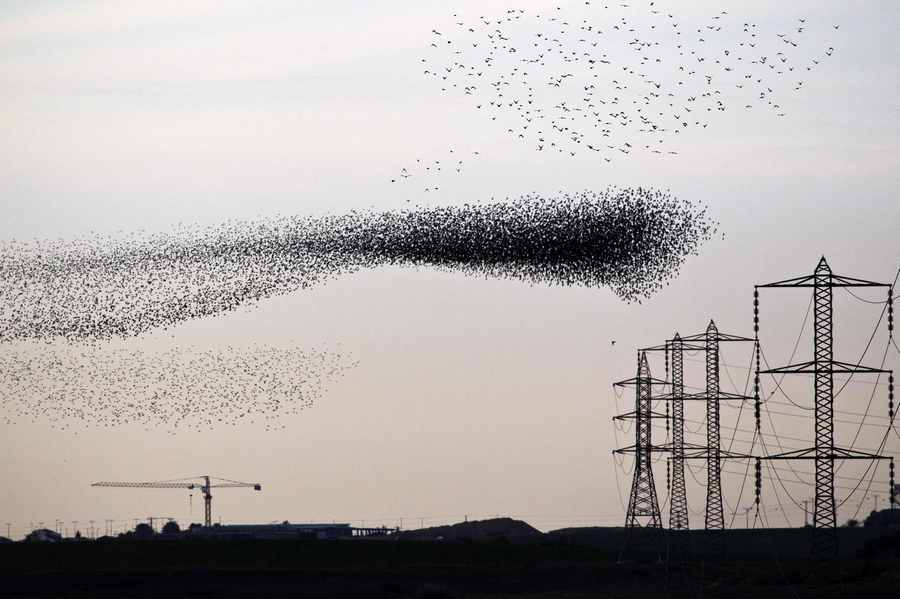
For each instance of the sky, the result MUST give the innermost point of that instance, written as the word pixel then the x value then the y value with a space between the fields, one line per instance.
pixel 472 397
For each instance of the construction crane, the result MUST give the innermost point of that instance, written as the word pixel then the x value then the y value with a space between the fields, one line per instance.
pixel 206 485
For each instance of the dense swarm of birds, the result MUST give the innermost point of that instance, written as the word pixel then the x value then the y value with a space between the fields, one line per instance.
pixel 613 79
pixel 630 240
pixel 182 389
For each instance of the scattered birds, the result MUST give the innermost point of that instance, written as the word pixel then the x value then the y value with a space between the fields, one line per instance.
pixel 611 80
pixel 451 162
pixel 177 390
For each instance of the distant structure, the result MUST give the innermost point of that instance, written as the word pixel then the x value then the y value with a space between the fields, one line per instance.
pixel 678 505
pixel 713 454
pixel 283 531
pixel 643 505
pixel 823 367
pixel 206 485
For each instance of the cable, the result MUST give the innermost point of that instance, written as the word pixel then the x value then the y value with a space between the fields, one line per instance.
pixel 805 417
pixel 847 289
pixel 777 440
pixel 793 351
pixel 781 403
pixel 869 404
pixel 870 466
pixel 619 487
pixel 743 483
pixel 778 498
pixel 778 478
pixel 750 432
pixel 739 367
pixel 865 350
pixel 778 382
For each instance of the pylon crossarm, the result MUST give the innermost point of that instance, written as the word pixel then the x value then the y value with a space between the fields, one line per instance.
pixel 847 368
pixel 720 337
pixel 702 396
pixel 839 281
pixel 686 446
pixel 835 367
pixel 836 281
pixel 632 449
pixel 663 347
pixel 635 416
pixel 640 381
pixel 725 395
pixel 703 453
pixel 835 453
pixel 671 342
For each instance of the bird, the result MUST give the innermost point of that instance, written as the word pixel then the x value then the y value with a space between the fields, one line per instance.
pixel 570 57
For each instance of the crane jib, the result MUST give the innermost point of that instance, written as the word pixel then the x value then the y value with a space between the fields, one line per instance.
pixel 205 487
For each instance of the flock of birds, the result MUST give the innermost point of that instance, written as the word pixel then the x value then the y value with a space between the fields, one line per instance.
pixel 182 389
pixel 613 79
pixel 60 300
pixel 598 84
pixel 630 240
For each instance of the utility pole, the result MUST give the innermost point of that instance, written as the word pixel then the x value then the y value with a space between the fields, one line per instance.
pixel 805 513
pixel 823 367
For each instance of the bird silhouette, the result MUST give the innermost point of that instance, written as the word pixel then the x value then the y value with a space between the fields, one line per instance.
pixel 618 72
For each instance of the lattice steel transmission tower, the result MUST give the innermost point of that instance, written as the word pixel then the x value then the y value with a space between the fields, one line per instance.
pixel 643 505
pixel 678 506
pixel 713 453
pixel 823 367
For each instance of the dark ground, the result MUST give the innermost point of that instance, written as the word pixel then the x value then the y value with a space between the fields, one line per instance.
pixel 546 568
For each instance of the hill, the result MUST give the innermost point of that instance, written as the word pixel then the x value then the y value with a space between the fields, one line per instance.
pixel 476 530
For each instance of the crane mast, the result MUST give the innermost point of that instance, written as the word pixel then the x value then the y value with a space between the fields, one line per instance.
pixel 206 484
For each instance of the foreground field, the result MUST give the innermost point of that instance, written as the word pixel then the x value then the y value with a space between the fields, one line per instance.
pixel 400 569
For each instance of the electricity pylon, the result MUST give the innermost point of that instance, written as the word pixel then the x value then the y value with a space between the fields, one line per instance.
pixel 643 504
pixel 823 367
pixel 712 453
pixel 678 506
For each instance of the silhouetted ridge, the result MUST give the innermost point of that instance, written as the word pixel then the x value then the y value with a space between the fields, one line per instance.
pixel 475 530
